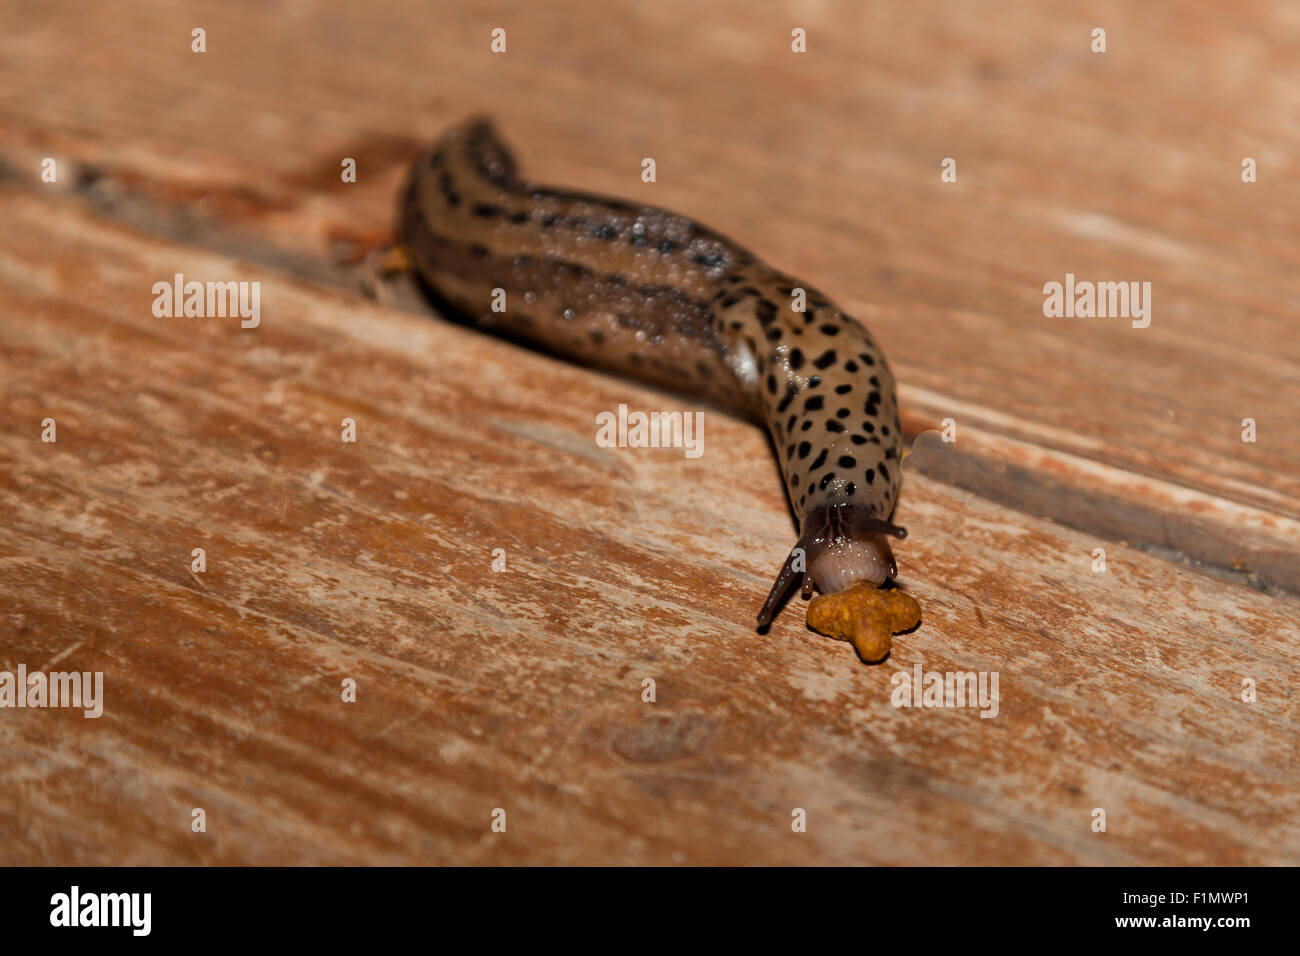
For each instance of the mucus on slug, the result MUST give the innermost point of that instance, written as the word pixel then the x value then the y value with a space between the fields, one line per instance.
pixel 653 295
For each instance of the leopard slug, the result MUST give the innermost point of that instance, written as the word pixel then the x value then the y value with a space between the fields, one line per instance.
pixel 656 296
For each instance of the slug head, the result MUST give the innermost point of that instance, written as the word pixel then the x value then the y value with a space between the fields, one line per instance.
pixel 841 545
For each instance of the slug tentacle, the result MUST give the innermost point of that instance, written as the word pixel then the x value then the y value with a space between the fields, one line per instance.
pixel 653 295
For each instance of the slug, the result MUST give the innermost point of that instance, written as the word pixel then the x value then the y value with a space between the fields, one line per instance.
pixel 656 296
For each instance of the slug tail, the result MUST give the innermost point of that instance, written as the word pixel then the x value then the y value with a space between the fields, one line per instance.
pixel 484 147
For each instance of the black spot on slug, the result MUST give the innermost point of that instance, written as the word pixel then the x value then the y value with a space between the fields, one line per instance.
pixel 825 360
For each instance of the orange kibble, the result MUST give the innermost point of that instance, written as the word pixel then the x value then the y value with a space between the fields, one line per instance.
pixel 865 616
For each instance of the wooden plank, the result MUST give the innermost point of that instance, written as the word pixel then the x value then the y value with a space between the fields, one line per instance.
pixel 522 689
pixel 1116 166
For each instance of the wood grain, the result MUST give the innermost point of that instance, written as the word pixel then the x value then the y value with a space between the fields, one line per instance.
pixel 522 690
pixel 1115 166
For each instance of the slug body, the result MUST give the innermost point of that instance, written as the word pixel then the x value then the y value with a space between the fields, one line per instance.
pixel 652 295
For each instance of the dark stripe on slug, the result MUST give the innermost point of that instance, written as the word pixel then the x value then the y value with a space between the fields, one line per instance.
pixel 492 161
pixel 438 247
pixel 448 191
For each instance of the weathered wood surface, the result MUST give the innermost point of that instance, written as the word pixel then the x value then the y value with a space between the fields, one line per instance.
pixel 1117 166
pixel 522 690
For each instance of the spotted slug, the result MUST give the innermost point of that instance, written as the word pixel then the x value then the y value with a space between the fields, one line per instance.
pixel 656 296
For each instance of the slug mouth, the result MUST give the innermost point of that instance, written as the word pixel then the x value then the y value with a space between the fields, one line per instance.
pixel 840 546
